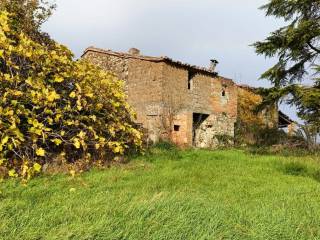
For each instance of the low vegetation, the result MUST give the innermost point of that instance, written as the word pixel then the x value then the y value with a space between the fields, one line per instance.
pixel 171 194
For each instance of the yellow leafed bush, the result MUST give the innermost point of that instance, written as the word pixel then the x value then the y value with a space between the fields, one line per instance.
pixel 52 105
pixel 251 124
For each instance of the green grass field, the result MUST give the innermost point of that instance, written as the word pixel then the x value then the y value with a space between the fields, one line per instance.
pixel 192 194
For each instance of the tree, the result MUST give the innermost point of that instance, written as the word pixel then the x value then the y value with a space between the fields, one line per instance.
pixel 250 124
pixel 297 48
pixel 51 105
pixel 309 133
pixel 27 16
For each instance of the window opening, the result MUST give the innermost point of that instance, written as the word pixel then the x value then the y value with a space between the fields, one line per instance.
pixel 190 79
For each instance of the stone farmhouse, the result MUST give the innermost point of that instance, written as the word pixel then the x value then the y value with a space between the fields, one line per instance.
pixel 190 105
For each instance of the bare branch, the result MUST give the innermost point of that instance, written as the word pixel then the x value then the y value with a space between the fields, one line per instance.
pixel 313 47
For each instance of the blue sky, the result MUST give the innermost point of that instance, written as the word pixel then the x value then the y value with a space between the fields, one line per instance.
pixel 186 30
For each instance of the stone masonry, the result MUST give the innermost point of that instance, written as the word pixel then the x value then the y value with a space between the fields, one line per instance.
pixel 190 105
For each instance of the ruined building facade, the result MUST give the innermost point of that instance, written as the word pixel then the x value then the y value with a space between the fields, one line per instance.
pixel 190 105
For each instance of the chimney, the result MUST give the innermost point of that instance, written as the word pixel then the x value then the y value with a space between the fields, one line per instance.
pixel 134 51
pixel 213 65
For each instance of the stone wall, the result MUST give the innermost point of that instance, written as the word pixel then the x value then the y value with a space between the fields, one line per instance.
pixel 214 96
pixel 143 87
pixel 216 130
pixel 114 64
pixel 159 92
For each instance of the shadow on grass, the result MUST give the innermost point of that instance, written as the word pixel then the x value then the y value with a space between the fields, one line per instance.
pixel 282 151
pixel 163 151
pixel 301 169
pixel 298 167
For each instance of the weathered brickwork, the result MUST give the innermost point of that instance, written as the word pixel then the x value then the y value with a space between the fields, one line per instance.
pixel 203 97
pixel 187 104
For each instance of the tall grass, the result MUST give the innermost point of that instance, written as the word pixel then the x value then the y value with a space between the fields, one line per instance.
pixel 171 194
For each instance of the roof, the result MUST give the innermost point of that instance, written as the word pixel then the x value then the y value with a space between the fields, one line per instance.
pixel 284 120
pixel 153 59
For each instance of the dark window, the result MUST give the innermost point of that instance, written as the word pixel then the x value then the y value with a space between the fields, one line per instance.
pixel 224 90
pixel 189 84
pixel 176 128
pixel 190 79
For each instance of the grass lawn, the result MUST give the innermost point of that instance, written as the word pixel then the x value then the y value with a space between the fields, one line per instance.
pixel 194 194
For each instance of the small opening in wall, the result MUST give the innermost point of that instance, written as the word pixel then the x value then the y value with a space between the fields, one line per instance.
pixel 189 84
pixel 176 128
pixel 223 93
pixel 190 79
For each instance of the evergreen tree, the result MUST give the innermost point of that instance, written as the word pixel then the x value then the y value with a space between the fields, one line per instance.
pixel 297 47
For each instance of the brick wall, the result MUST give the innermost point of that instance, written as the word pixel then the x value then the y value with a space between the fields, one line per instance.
pixel 183 135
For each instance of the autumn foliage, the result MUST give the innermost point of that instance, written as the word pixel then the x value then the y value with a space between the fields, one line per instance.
pixel 252 122
pixel 51 105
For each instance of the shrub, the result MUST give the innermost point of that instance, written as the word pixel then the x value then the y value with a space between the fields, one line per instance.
pixel 51 105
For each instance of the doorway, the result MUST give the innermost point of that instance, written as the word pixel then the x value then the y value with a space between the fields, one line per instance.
pixel 198 120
